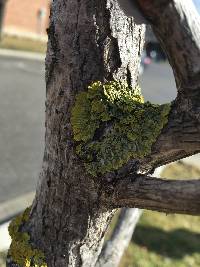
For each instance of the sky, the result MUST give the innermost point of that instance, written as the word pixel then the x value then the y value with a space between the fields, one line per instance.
pixel 197 4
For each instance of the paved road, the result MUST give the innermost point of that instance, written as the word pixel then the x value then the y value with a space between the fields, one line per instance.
pixel 22 96
pixel 157 83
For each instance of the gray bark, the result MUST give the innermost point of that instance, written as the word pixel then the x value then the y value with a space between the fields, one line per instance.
pixel 88 41
pixel 170 196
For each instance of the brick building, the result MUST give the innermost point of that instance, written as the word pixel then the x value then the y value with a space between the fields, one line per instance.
pixel 27 18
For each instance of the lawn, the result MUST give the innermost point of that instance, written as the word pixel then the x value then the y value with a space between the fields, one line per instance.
pixel 23 44
pixel 164 241
pixel 2 259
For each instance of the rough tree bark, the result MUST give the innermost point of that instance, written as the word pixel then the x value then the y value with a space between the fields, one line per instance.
pixel 91 41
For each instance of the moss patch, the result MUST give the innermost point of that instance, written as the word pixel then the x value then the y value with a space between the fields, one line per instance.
pixel 132 126
pixel 20 250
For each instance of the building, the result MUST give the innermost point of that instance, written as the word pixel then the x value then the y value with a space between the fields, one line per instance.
pixel 27 18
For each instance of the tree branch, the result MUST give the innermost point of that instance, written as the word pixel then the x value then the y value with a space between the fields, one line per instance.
pixel 178 139
pixel 114 248
pixel 170 196
pixel 121 236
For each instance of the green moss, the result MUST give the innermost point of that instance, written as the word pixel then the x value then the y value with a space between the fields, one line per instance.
pixel 20 250
pixel 132 125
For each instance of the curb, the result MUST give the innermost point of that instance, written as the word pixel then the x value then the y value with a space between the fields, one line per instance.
pixel 22 54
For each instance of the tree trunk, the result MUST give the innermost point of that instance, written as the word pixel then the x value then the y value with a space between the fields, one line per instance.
pixel 89 41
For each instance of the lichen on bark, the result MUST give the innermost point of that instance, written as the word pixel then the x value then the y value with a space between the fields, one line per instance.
pixel 112 124
pixel 21 251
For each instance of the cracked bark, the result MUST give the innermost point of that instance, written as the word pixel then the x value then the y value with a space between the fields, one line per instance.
pixel 92 40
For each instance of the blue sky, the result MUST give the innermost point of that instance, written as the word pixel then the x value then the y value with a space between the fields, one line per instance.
pixel 197 3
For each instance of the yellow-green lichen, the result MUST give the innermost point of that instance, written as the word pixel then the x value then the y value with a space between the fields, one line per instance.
pixel 132 126
pixel 21 252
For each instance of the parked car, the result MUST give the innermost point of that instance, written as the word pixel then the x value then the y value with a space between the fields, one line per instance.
pixel 155 51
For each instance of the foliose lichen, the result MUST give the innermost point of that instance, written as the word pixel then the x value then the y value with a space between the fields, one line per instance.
pixel 131 124
pixel 20 250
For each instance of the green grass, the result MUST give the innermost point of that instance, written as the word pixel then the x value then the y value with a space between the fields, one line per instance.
pixel 181 170
pixel 23 44
pixel 2 259
pixel 162 240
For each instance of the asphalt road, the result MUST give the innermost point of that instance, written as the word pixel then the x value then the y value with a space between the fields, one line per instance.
pixel 22 97
pixel 157 83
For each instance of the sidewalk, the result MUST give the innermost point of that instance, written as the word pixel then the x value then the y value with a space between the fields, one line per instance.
pixel 22 54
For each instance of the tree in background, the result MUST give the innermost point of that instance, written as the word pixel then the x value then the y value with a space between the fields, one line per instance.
pixel 102 140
